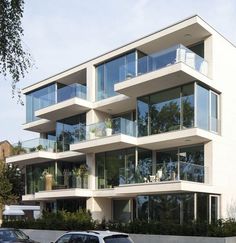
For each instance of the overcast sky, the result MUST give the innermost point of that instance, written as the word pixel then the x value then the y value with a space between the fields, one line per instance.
pixel 61 34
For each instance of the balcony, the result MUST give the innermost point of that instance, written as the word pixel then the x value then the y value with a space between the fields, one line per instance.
pixel 34 150
pixel 171 67
pixel 169 177
pixel 65 181
pixel 166 172
pixel 67 101
pixel 104 136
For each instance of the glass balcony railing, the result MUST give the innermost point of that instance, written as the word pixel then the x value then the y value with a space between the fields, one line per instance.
pixel 57 183
pixel 170 171
pixel 71 91
pixel 107 128
pixel 62 94
pixel 33 145
pixel 167 57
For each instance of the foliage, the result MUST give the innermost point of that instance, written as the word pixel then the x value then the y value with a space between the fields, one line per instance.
pixel 14 60
pixel 82 220
pixel 108 123
pixel 16 179
pixel 11 185
pixel 18 149
pixel 62 220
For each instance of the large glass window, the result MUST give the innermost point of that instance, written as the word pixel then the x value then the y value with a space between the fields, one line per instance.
pixel 35 178
pixel 115 167
pixel 165 111
pixel 202 107
pixel 111 72
pixel 175 109
pixel 214 112
pixel 185 163
pixel 177 208
pixel 122 210
pixel 172 208
pixel 118 167
pixel 39 99
pixel 187 103
pixel 69 129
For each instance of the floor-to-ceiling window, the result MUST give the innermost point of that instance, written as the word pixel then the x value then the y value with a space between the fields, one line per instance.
pixel 35 176
pixel 124 166
pixel 39 99
pixel 176 207
pixel 178 108
pixel 112 72
pixel 186 163
pixel 70 130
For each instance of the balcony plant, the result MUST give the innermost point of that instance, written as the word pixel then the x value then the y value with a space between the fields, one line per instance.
pixel 108 124
pixel 18 149
pixel 48 178
pixel 80 176
pixel 92 133
pixel 39 147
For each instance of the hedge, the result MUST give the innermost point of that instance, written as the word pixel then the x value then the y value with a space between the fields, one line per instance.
pixel 82 220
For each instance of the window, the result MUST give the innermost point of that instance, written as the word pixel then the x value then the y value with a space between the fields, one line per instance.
pixel 112 72
pixel 214 112
pixel 202 107
pixel 117 239
pixel 39 99
pixel 64 239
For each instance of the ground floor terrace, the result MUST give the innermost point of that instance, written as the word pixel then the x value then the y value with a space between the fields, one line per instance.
pixel 179 208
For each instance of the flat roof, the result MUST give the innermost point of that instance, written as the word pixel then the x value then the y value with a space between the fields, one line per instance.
pixel 55 77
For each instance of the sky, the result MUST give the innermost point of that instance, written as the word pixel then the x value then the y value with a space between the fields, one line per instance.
pixel 61 34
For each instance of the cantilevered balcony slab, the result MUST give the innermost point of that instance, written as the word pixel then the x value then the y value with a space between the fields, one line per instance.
pixel 64 109
pixel 32 158
pixel 131 190
pixel 63 193
pixel 176 138
pixel 116 104
pixel 41 125
pixel 114 142
pixel 164 78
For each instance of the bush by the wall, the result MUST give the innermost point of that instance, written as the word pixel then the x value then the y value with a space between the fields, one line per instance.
pixel 82 220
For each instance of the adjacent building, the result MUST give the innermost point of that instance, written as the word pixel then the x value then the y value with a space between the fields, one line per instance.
pixel 144 131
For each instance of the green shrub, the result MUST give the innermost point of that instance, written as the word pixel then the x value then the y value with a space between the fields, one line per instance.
pixel 82 220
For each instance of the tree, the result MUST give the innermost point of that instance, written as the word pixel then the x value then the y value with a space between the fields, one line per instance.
pixel 14 60
pixel 11 185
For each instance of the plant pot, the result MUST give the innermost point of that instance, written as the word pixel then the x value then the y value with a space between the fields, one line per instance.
pixel 108 131
pixel 48 182
pixel 92 135
pixel 78 182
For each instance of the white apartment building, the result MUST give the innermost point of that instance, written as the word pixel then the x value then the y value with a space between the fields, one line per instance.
pixel 144 131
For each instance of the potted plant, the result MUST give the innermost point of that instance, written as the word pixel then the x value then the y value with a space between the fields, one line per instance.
pixel 39 147
pixel 81 176
pixel 77 177
pixel 48 178
pixel 108 123
pixel 92 133
pixel 84 175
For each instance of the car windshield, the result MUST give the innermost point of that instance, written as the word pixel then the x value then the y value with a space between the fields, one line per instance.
pixel 117 239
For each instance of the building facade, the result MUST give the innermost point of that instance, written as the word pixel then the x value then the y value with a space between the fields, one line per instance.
pixel 144 131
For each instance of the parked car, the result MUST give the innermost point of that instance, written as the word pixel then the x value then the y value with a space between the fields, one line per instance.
pixel 14 235
pixel 94 237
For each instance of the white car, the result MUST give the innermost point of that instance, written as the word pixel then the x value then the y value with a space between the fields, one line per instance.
pixel 94 237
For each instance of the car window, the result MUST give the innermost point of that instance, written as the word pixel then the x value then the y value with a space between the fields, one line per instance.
pixel 7 235
pixel 117 239
pixel 78 238
pixel 64 239
pixel 20 235
pixel 92 239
